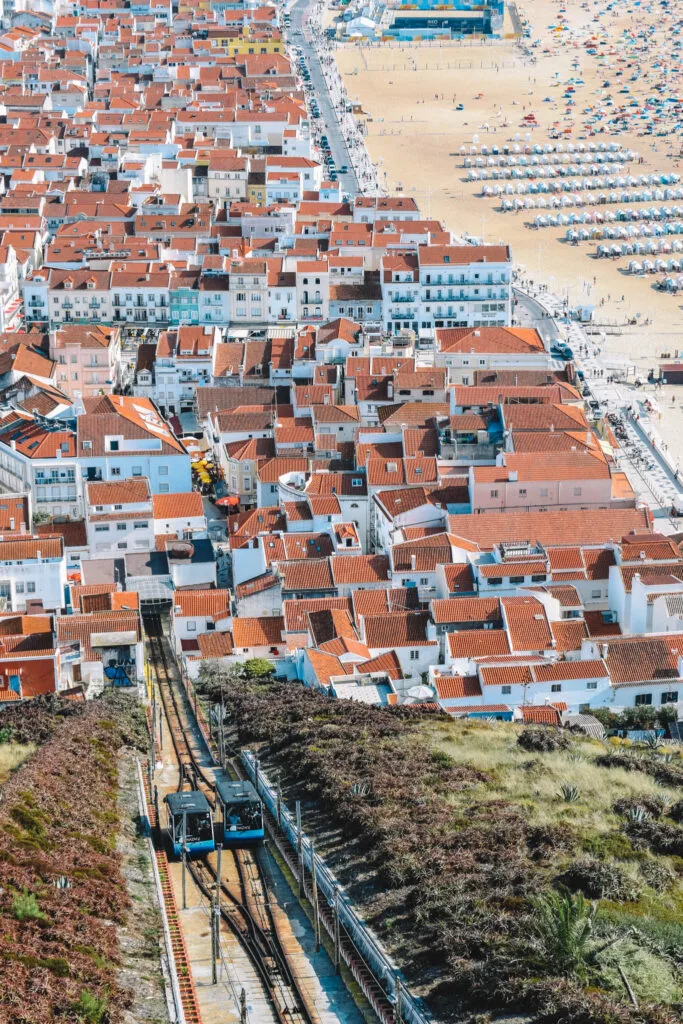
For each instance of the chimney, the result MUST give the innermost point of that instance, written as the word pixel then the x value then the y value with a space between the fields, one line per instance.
pixel 11 524
pixel 38 554
pixel 636 576
pixel 513 476
pixel 390 389
pixel 413 563
pixel 603 651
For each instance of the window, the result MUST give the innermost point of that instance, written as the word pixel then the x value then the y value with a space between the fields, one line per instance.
pixel 101 529
pixel 118 508
pixel 120 526
pixel 139 526
pixel 544 492
pixel 494 494
pixel 137 470
pixel 516 579
pixel 495 582
pixel 643 699
pixel 164 488
pixel 596 594
pixel 113 446
pixel 163 470
pixel 538 577
pixel 116 471
pixel 20 590
pixel 122 545
pixel 414 655
pixel 522 492
pixel 577 492
pixel 191 626
pixel 592 685
pixel 30 588
pixel 669 698
pixel 556 688
pixel 506 689
pixel 356 482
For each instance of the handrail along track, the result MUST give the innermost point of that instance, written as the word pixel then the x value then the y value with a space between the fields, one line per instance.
pixel 248 914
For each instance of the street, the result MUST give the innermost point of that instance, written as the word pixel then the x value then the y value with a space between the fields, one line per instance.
pixel 345 141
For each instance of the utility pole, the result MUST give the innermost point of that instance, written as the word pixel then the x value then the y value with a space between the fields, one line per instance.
pixel 299 848
pixel 316 911
pixel 219 851
pixel 215 919
pixel 398 1005
pixel 337 950
pixel 184 855
pixel 279 804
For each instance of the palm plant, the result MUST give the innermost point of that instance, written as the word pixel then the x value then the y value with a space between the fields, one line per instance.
pixel 652 741
pixel 564 939
pixel 569 793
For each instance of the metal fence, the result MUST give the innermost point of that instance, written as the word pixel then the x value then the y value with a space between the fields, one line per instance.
pixel 369 947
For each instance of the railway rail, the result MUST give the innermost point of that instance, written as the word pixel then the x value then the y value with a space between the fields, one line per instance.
pixel 244 905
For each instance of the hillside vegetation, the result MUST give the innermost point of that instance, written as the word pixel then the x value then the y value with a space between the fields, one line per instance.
pixel 62 893
pixel 508 870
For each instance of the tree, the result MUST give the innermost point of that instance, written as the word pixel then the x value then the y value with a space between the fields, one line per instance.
pixel 258 668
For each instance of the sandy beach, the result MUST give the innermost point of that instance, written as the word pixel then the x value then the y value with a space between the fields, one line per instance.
pixel 591 73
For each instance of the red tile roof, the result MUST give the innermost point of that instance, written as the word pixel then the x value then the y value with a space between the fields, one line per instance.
pixel 265 631
pixel 186 505
pixel 400 629
pixel 213 604
pixel 527 624
pixel 133 490
pixel 594 526
pixel 215 644
pixel 351 569
pixel 568 634
pixel 295 612
pixel 467 609
pixel 478 643
pixel 454 687
pixel 545 715
pixel 308 574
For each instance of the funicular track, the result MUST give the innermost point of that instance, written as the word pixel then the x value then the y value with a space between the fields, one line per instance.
pixel 245 907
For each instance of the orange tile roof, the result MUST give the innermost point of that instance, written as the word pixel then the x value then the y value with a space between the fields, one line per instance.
pixel 360 569
pixel 467 609
pixel 568 634
pixel 595 526
pixel 296 612
pixel 311 574
pixel 478 643
pixel 185 505
pixel 453 687
pixel 544 715
pixel 216 644
pixel 213 604
pixel 265 631
pixel 132 490
pixel 400 629
pixel 527 624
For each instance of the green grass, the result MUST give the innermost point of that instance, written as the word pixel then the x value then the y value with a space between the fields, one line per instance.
pixel 651 921
pixel 534 781
pixel 11 756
